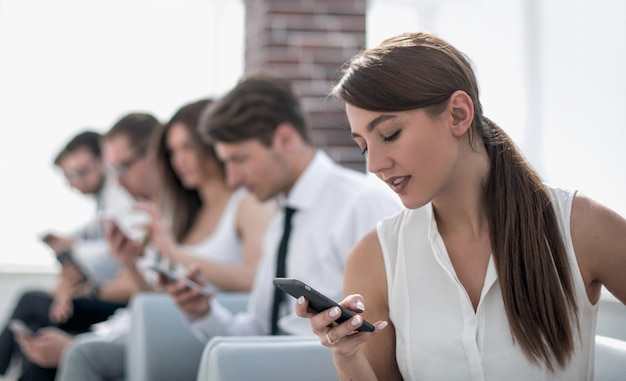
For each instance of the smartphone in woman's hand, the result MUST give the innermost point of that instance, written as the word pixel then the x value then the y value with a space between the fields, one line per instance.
pixel 317 301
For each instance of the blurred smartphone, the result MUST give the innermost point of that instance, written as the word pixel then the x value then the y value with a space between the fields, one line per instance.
pixel 317 301
pixel 66 258
pixel 18 327
pixel 129 222
pixel 171 276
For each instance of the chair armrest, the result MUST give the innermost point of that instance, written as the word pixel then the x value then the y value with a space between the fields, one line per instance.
pixel 160 347
pixel 610 359
pixel 274 358
pixel 234 301
pixel 304 358
pixel 611 316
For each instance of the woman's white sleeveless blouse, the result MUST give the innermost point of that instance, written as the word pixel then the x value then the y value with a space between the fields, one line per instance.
pixel 438 334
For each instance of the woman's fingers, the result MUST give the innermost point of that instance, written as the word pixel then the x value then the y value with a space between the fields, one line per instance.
pixel 354 303
pixel 332 334
pixel 302 308
pixel 339 332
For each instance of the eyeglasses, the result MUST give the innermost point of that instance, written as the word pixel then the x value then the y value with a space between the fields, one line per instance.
pixel 124 166
pixel 79 173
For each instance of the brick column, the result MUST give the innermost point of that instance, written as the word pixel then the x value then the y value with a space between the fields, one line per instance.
pixel 307 41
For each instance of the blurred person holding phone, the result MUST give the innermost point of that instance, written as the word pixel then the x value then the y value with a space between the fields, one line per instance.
pixel 196 214
pixel 42 351
pixel 83 255
pixel 260 133
pixel 198 223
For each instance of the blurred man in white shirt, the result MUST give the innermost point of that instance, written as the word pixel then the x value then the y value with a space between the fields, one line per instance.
pixel 260 133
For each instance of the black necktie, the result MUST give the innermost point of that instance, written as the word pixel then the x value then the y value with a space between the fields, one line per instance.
pixel 280 267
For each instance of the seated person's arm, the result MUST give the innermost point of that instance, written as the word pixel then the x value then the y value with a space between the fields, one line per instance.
pixel 252 220
pixel 72 284
pixel 120 289
pixel 130 279
pixel 363 355
pixel 56 242
pixel 599 239
pixel 207 317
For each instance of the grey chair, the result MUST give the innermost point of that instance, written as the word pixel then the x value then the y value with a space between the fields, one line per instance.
pixel 276 358
pixel 289 358
pixel 610 360
pixel 160 347
pixel 611 316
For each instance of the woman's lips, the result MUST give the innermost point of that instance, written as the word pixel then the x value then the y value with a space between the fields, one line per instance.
pixel 398 183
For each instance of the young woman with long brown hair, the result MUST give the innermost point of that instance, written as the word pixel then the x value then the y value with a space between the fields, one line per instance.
pixel 489 274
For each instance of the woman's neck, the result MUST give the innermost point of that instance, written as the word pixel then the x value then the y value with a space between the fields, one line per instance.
pixel 214 191
pixel 460 207
pixel 215 196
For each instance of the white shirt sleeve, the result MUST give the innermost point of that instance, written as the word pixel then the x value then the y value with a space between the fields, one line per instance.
pixel 221 322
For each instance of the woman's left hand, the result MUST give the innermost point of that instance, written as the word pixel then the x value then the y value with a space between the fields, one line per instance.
pixel 343 338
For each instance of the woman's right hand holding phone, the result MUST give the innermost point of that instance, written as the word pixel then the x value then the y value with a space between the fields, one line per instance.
pixel 342 338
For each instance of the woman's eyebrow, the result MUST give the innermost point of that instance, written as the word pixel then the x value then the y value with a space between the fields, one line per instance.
pixel 375 122
pixel 378 120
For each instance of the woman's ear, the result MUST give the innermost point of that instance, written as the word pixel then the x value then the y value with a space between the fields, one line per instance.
pixel 462 112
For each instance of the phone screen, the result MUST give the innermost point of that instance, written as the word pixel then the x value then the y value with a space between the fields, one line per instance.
pixel 317 301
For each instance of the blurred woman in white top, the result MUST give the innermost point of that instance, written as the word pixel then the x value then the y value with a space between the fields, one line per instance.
pixel 198 221
pixel 198 226
pixel 207 219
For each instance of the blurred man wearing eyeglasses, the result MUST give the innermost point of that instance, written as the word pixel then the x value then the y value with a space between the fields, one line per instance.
pixel 126 151
pixel 86 263
pixel 128 162
pixel 82 165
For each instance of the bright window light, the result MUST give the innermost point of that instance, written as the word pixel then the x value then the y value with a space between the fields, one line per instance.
pixel 69 65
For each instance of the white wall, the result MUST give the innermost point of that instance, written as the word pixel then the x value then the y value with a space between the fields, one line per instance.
pixel 14 283
pixel 551 74
pixel 554 82
pixel 66 65
pixel 584 56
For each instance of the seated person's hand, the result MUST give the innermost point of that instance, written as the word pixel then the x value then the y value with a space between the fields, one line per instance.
pixel 46 347
pixel 342 338
pixel 125 249
pixel 161 234
pixel 56 242
pixel 189 299
pixel 61 309
pixel 71 274
pixel 72 283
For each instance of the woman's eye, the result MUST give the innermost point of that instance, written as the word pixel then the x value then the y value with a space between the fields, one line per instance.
pixel 391 137
pixel 364 151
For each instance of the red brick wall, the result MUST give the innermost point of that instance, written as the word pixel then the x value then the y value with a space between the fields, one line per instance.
pixel 307 41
